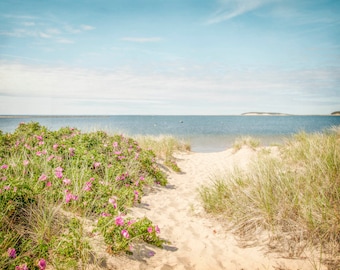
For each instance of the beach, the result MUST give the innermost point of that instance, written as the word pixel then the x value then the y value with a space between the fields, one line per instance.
pixel 198 241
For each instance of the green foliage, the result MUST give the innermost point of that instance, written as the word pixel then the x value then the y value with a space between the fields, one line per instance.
pixel 45 174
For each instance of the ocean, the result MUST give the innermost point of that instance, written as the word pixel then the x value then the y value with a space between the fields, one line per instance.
pixel 204 133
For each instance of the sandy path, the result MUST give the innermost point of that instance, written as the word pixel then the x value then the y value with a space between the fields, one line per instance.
pixel 197 242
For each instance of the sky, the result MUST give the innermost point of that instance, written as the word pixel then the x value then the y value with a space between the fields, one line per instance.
pixel 169 57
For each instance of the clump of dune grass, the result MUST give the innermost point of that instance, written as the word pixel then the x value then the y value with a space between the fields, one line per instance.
pixel 164 147
pixel 294 196
pixel 249 141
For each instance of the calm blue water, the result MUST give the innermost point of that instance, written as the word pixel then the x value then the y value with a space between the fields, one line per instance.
pixel 205 133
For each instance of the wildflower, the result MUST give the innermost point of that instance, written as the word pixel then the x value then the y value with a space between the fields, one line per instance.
pixel 151 253
pixel 12 253
pixel 104 214
pixel 72 151
pixel 88 186
pixel 41 143
pixel 96 165
pixel 66 181
pixel 142 178
pixel 69 196
pixel 55 147
pixel 130 222
pixel 5 166
pixel 113 202
pixel 150 230
pixel 119 221
pixel 39 138
pixel 125 234
pixel 48 184
pixel 25 162
pixel 7 187
pixel 137 155
pixel 21 267
pixel 157 229
pixel 43 177
pixel 4 178
pixel 92 179
pixel 136 195
pixel 59 172
pixel 115 144
pixel 50 158
pixel 118 152
pixel 42 264
pixel 39 153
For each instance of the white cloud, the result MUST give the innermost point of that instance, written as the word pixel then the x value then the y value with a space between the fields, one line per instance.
pixel 125 91
pixel 142 39
pixel 87 27
pixel 232 8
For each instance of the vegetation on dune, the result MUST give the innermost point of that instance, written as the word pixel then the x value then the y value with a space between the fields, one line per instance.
pixel 51 181
pixel 295 196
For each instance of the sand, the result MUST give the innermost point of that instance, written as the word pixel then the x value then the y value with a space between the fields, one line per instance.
pixel 198 241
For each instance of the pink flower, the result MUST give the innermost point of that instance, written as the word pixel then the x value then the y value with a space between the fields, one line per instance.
pixel 72 151
pixel 50 158
pixel 141 178
pixel 113 202
pixel 7 187
pixel 136 156
pixel 39 153
pixel 150 230
pixel 96 165
pixel 66 181
pixel 41 143
pixel 12 253
pixel 104 214
pixel 42 264
pixel 88 186
pixel 69 196
pixel 39 138
pixel 136 195
pixel 4 178
pixel 55 147
pixel 125 234
pixel 48 184
pixel 59 172
pixel 25 162
pixel 119 221
pixel 22 267
pixel 157 229
pixel 43 177
pixel 118 152
pixel 5 166
pixel 115 144
pixel 130 222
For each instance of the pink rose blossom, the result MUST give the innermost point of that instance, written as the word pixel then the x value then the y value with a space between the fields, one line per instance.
pixel 96 165
pixel 88 186
pixel 66 181
pixel 72 151
pixel 125 234
pixel 21 267
pixel 12 253
pixel 119 221
pixel 157 229
pixel 43 177
pixel 42 264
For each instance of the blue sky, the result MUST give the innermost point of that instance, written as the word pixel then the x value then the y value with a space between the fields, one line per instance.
pixel 169 56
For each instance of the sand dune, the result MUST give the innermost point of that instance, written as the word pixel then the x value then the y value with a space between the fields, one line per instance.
pixel 197 241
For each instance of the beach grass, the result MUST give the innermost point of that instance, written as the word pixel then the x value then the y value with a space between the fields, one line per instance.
pixel 164 147
pixel 295 196
pixel 249 141
pixel 54 183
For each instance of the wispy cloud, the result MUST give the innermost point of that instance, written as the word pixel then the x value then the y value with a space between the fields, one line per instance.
pixel 232 8
pixel 142 39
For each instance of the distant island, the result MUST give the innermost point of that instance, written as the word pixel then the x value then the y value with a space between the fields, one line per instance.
pixel 335 113
pixel 265 113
